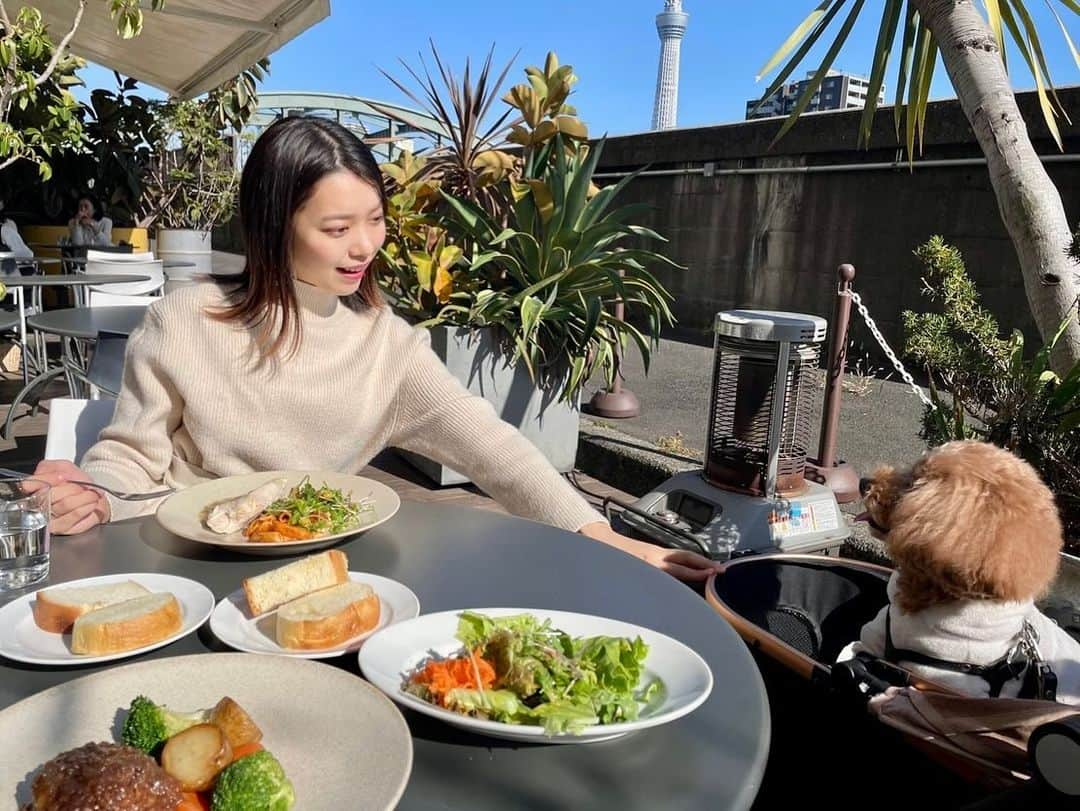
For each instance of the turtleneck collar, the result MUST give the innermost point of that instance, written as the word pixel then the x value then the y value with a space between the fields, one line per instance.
pixel 314 300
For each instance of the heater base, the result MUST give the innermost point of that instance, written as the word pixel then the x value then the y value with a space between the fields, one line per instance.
pixel 840 477
pixel 729 524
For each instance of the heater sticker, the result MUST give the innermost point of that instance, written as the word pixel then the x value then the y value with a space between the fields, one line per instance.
pixel 789 520
pixel 825 517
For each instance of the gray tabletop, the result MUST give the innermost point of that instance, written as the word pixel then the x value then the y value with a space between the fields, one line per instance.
pixel 87 322
pixel 456 557
pixel 166 264
pixel 69 279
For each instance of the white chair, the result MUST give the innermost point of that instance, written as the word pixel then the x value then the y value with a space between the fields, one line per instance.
pixel 112 256
pixel 74 426
pixel 100 299
pixel 152 269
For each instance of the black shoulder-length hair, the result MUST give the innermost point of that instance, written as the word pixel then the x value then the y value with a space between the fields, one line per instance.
pixel 285 163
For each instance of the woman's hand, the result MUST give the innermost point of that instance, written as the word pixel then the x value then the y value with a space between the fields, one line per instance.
pixel 74 508
pixel 680 563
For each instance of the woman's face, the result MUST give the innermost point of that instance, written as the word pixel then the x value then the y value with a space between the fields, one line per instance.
pixel 86 208
pixel 337 233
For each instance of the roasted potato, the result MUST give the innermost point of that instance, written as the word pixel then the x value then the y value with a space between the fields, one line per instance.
pixel 195 756
pixel 235 723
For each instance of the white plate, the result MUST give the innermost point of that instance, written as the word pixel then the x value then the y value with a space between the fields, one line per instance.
pixel 22 640
pixel 393 653
pixel 341 743
pixel 232 623
pixel 183 512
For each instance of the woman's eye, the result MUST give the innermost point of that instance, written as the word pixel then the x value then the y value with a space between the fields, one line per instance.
pixel 336 232
pixel 377 220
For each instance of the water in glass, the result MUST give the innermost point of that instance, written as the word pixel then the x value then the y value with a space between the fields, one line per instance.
pixel 24 533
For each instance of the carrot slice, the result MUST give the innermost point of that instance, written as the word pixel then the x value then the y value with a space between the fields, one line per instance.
pixel 442 676
pixel 194 801
pixel 245 750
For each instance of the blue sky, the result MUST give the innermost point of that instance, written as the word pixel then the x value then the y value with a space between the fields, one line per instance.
pixel 612 45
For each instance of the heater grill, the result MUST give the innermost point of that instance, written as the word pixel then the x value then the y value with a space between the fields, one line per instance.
pixel 746 428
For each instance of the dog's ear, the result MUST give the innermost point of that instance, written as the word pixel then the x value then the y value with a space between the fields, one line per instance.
pixel 978 522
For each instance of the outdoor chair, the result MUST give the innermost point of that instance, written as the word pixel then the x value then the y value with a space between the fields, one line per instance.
pixel 99 298
pixel 150 268
pixel 74 426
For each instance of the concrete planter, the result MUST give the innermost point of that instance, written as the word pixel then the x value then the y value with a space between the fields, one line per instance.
pixel 475 358
pixel 186 246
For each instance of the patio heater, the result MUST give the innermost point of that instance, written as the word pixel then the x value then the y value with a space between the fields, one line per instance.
pixel 753 494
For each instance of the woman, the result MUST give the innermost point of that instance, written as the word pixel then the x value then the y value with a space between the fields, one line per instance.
pixel 88 228
pixel 300 365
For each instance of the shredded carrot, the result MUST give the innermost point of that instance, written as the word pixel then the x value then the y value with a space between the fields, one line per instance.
pixel 440 677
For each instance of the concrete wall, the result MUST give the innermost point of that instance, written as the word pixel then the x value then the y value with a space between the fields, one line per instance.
pixel 774 241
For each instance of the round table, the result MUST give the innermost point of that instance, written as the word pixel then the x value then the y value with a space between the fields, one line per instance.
pixel 456 557
pixel 87 322
pixel 17 282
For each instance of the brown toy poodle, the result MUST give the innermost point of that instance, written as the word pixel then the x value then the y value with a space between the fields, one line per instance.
pixel 975 536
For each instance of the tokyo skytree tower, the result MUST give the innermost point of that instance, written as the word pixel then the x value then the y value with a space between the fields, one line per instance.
pixel 671 26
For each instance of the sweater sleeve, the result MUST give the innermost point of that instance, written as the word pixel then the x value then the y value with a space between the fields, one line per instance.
pixel 438 417
pixel 135 451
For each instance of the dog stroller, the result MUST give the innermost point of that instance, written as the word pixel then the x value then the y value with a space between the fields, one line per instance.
pixel 801 610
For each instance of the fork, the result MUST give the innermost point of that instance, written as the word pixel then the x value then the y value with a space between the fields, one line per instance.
pixel 15 474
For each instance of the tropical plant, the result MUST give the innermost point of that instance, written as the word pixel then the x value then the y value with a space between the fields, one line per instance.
pixel 545 277
pixel 972 48
pixel 510 233
pixel 191 181
pixel 35 73
pixel 996 392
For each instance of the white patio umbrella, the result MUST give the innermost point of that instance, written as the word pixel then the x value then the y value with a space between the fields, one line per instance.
pixel 189 46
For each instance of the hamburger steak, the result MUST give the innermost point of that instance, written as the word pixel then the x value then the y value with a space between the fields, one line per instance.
pixel 104 777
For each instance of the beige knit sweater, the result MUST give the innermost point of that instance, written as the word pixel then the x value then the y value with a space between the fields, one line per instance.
pixel 197 404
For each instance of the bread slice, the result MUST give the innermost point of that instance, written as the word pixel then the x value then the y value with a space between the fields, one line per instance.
pixel 266 591
pixel 130 624
pixel 56 609
pixel 327 618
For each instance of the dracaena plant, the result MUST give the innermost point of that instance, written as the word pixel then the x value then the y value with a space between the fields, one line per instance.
pixel 540 256
pixel 546 276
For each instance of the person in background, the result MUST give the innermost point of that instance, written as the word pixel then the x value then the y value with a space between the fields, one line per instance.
pixel 10 240
pixel 88 227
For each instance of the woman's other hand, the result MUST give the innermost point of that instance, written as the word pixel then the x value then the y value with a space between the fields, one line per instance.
pixel 680 563
pixel 74 508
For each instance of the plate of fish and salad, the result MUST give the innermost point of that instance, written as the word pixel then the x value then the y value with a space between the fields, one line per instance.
pixel 536 675
pixel 278 512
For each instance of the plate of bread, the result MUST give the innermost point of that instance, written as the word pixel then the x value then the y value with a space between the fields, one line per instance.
pixel 313 608
pixel 278 512
pixel 98 619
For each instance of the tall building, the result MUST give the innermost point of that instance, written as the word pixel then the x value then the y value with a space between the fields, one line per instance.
pixel 838 91
pixel 671 26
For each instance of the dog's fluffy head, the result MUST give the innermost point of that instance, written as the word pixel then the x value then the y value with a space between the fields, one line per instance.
pixel 968 521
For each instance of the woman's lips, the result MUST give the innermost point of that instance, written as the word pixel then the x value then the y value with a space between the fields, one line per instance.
pixel 353 271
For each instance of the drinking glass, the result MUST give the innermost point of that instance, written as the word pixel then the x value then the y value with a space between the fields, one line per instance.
pixel 24 532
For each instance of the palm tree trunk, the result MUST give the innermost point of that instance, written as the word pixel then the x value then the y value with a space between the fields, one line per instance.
pixel 1030 204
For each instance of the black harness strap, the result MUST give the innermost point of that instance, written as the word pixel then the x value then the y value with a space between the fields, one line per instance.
pixel 997 675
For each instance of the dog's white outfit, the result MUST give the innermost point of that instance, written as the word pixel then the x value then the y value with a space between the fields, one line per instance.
pixel 977 632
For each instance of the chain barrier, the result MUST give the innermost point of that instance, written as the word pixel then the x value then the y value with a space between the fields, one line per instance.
pixel 873 327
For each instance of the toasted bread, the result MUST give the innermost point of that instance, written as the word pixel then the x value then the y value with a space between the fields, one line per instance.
pixel 327 618
pixel 266 591
pixel 56 609
pixel 127 625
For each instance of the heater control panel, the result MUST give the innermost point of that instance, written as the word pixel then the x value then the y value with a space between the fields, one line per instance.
pixel 727 524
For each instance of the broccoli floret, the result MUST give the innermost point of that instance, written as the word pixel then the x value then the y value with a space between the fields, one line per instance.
pixel 148 725
pixel 253 783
